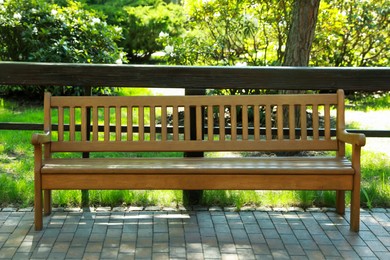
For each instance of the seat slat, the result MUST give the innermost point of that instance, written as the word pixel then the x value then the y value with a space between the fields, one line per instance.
pixel 259 165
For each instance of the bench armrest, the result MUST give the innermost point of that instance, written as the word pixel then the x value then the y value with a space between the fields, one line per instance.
pixel 352 138
pixel 39 139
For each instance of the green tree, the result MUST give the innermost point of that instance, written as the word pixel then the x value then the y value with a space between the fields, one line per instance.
pixel 352 33
pixel 34 30
pixel 143 25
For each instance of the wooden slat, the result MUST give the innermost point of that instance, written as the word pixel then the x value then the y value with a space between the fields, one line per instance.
pixel 315 122
pixel 152 123
pixel 129 123
pixel 256 122
pixel 141 123
pixel 187 123
pixel 199 125
pixel 106 123
pixel 175 111
pixel 221 120
pixel 305 165
pixel 118 123
pixel 164 114
pixel 268 122
pixel 303 122
pixel 95 123
pixel 233 121
pixel 279 121
pixel 244 122
pixel 291 117
pixel 327 125
pixel 60 124
pixel 84 123
pixel 210 123
pixel 211 146
pixel 72 123
pixel 194 182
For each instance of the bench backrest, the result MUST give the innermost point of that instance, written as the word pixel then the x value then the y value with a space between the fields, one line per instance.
pixel 286 122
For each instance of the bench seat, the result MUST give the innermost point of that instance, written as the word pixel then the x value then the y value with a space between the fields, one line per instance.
pixel 253 165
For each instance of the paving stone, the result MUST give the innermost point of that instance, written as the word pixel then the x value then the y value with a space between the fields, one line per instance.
pixel 118 209
pixel 9 209
pixel 152 208
pixel 379 210
pixel 264 209
pixel 103 209
pixel 29 209
pixel 230 209
pixel 203 235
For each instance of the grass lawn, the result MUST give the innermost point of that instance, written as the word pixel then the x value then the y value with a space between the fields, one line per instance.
pixel 16 172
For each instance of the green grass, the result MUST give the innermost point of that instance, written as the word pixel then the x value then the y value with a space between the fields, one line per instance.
pixel 16 178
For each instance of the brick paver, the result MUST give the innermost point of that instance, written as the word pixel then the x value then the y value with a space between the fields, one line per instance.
pixel 156 233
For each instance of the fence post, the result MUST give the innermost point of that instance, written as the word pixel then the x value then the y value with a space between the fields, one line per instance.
pixel 193 197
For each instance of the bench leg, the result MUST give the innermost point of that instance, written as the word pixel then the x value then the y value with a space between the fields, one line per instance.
pixel 47 202
pixel 38 208
pixel 355 193
pixel 340 202
pixel 355 209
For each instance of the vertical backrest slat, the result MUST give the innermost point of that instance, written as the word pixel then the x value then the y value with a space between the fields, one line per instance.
pixel 187 123
pixel 222 122
pixel 256 122
pixel 118 123
pixel 164 124
pixel 244 122
pixel 279 121
pixel 233 122
pixel 315 122
pixel 199 125
pixel 210 123
pixel 152 123
pixel 84 123
pixel 72 124
pixel 60 124
pixel 95 123
pixel 175 123
pixel 129 123
pixel 141 123
pixel 327 121
pixel 106 123
pixel 291 117
pixel 303 122
pixel 268 122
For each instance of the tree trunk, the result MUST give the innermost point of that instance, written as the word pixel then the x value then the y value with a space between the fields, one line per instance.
pixel 301 34
pixel 299 42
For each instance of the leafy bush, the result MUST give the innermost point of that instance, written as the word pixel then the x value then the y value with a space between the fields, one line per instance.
pixel 34 30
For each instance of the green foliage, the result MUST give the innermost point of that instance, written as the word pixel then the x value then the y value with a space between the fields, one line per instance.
pixel 34 30
pixel 352 33
pixel 223 32
pixel 143 25
pixel 244 32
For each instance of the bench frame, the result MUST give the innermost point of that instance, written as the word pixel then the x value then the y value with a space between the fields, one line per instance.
pixel 118 124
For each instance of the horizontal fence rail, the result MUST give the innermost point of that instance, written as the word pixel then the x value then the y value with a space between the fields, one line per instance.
pixel 193 78
pixel 39 127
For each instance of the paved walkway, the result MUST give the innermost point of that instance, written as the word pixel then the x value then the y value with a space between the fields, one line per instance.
pixel 211 234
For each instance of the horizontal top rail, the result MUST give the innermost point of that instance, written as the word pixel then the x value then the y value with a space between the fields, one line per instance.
pixel 195 77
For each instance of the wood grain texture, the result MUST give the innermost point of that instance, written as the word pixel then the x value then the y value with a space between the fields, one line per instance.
pixel 192 77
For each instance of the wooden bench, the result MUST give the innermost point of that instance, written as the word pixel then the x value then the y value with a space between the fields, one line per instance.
pixel 252 123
